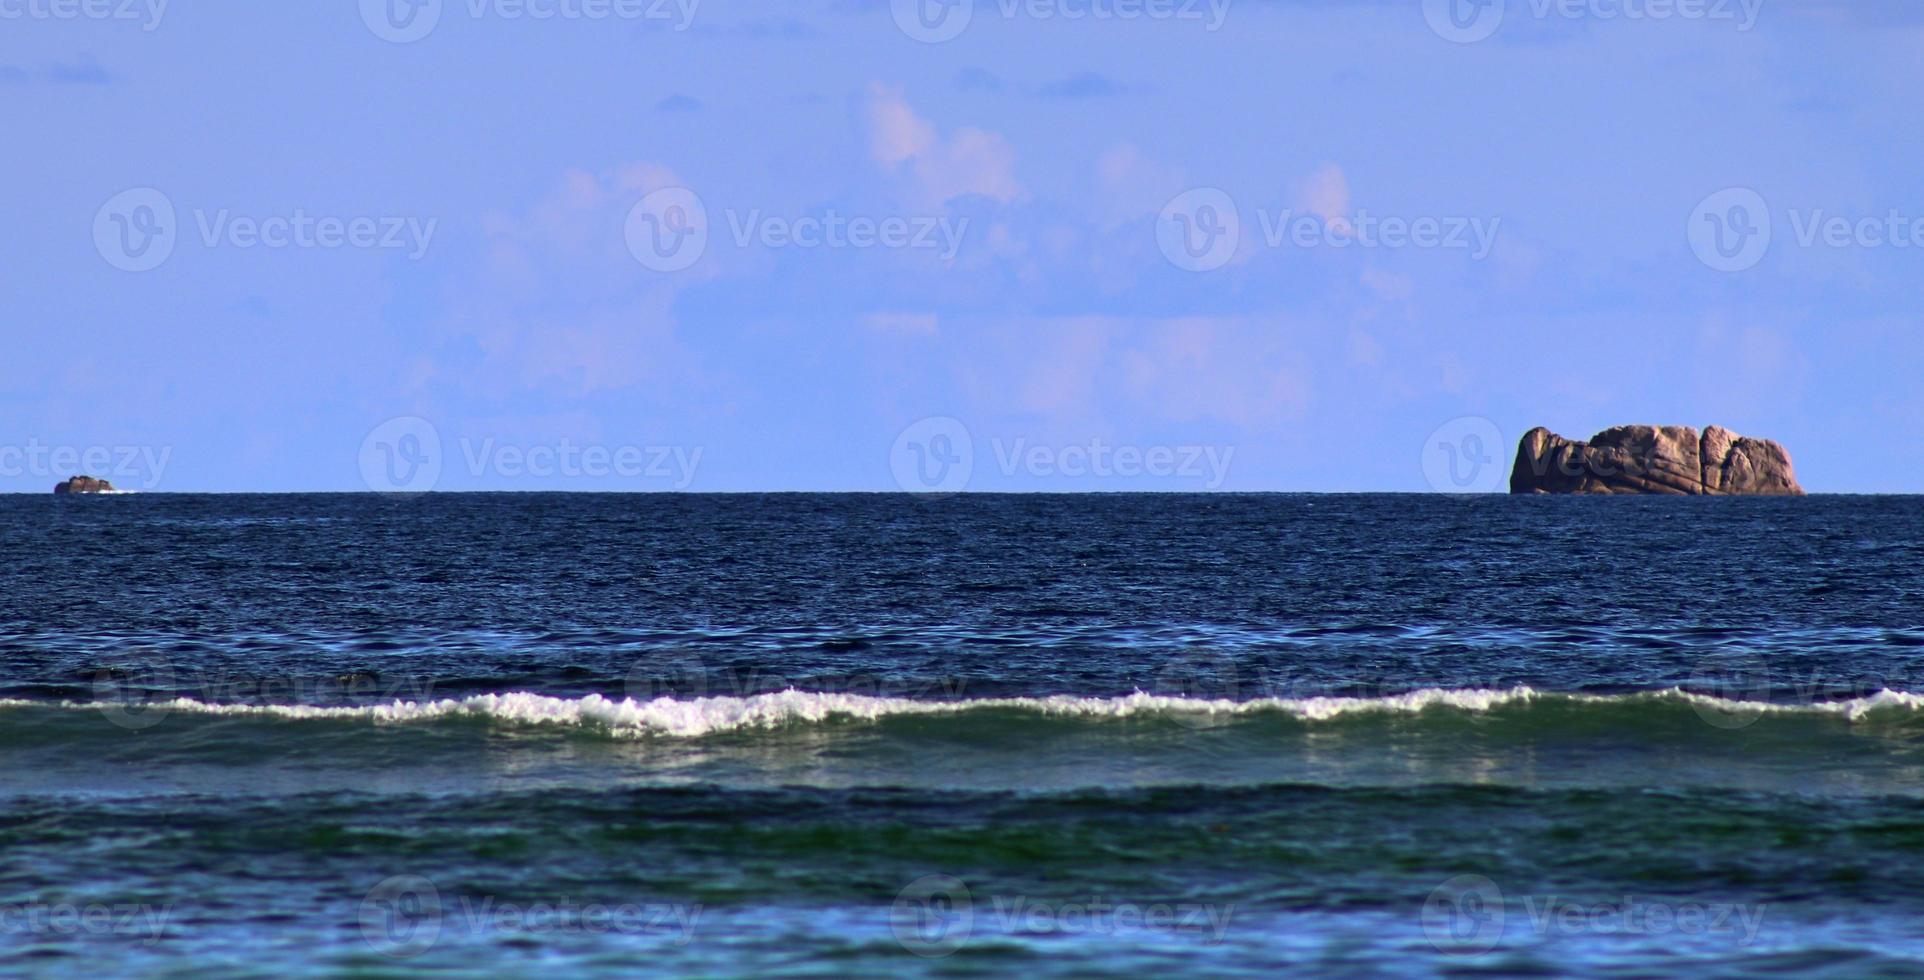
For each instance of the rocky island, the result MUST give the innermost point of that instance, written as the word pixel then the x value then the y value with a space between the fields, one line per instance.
pixel 83 484
pixel 1670 459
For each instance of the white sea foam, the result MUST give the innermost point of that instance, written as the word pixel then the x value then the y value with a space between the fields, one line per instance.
pixel 705 716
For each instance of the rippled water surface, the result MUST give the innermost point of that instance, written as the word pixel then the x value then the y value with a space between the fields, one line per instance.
pixel 868 734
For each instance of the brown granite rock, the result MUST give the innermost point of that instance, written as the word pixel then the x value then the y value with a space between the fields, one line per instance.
pixel 1670 459
pixel 83 484
pixel 1740 464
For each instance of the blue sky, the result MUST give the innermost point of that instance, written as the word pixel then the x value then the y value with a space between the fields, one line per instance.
pixel 415 260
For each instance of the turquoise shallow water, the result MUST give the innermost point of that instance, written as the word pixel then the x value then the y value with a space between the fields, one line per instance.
pixel 871 735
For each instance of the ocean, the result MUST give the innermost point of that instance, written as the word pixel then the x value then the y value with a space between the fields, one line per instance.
pixel 882 735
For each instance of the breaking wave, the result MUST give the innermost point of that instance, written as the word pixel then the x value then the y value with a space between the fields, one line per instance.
pixel 696 717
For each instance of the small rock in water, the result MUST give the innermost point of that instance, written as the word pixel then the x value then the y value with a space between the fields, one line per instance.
pixel 83 484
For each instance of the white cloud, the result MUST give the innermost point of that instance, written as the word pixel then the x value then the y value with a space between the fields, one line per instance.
pixel 901 324
pixel 558 301
pixel 1364 349
pixel 1325 194
pixel 1105 373
pixel 1744 369
pixel 1388 285
pixel 1131 186
pixel 1234 370
pixel 968 161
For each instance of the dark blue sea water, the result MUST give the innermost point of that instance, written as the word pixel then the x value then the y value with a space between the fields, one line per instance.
pixel 1034 735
